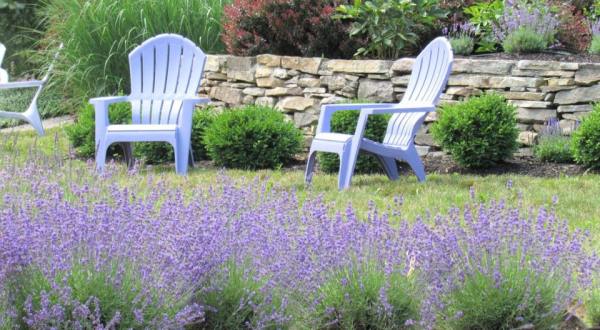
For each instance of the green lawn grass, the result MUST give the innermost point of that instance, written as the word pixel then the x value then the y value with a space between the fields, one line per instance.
pixel 577 195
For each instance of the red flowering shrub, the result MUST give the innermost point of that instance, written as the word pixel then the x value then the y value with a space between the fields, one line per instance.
pixel 286 27
pixel 574 30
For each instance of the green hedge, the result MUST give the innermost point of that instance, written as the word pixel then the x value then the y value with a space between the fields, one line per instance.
pixel 252 137
pixel 586 140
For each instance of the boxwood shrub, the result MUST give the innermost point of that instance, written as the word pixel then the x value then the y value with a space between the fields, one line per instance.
pixel 478 132
pixel 586 140
pixel 345 122
pixel 252 137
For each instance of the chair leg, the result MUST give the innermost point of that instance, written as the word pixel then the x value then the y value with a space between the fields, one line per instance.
pixel 310 166
pixel 343 182
pixel 128 153
pixel 416 164
pixel 182 152
pixel 33 117
pixel 389 166
pixel 101 150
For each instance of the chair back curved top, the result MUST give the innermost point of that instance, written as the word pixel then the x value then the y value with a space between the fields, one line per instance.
pixel 430 73
pixel 163 70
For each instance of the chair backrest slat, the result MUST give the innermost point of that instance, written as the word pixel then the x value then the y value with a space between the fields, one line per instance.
pixel 428 79
pixel 164 69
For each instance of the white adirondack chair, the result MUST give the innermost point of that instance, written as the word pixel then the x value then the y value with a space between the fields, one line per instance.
pixel 428 80
pixel 165 74
pixel 3 73
pixel 31 115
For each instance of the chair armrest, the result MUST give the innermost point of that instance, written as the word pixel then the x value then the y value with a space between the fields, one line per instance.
pixel 22 84
pixel 400 108
pixel 327 111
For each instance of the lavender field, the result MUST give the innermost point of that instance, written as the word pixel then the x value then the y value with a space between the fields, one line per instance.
pixel 141 249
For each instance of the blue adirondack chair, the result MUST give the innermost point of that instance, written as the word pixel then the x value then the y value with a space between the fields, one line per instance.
pixel 3 73
pixel 428 79
pixel 31 115
pixel 165 74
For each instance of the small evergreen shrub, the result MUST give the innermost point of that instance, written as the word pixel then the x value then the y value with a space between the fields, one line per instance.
pixel 524 40
pixel 586 140
pixel 478 132
pixel 345 122
pixel 552 145
pixel 252 137
pixel 365 297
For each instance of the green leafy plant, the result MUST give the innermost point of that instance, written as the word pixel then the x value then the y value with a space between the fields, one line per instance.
pixel 554 149
pixel 345 122
pixel 483 15
pixel 252 137
pixel 98 36
pixel 462 45
pixel 365 297
pixel 478 132
pixel 595 45
pixel 508 297
pixel 586 140
pixel 391 27
pixel 524 40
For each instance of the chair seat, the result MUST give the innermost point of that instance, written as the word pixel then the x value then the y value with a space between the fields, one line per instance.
pixel 333 137
pixel 142 128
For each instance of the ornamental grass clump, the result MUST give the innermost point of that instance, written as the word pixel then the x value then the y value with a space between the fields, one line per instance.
pixel 461 37
pixel 552 145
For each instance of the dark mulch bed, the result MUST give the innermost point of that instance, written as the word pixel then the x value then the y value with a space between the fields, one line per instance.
pixel 520 166
pixel 560 56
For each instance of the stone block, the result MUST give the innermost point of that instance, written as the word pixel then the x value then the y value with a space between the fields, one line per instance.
pixel 403 65
pixel 263 71
pixel 375 90
pixel 303 119
pixel 529 115
pixel 527 138
pixel 527 96
pixel 530 104
pixel 359 66
pixel 546 65
pixel 480 81
pixel 495 67
pixel 588 73
pixel 265 101
pixel 314 90
pixel 214 63
pixel 295 103
pixel 308 82
pixel 269 82
pixel 254 91
pixel 575 108
pixel 578 95
pixel 334 83
pixel 227 94
pixel 269 60
pixel 283 91
pixel 463 91
pixel 576 116
pixel 241 68
pixel 303 64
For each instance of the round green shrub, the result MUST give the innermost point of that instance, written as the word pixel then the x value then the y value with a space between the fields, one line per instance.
pixel 81 135
pixel 524 40
pixel 586 140
pixel 478 132
pixel 345 122
pixel 463 45
pixel 595 45
pixel 252 137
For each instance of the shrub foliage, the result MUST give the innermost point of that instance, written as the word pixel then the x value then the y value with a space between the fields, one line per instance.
pixel 478 132
pixel 252 137
pixel 586 140
pixel 296 27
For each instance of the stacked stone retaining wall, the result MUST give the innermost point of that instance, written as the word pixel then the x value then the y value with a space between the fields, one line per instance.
pixel 541 90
